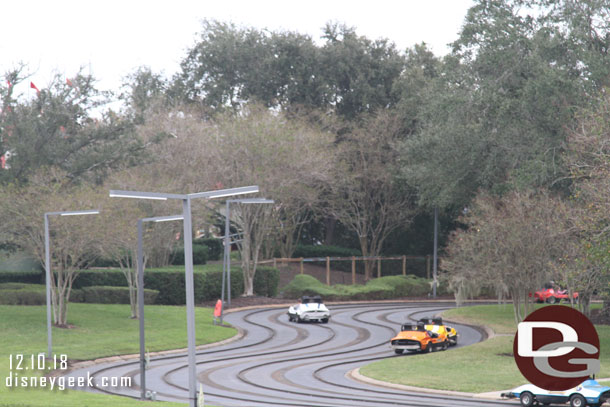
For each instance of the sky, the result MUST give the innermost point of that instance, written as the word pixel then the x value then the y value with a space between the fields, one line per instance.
pixel 110 39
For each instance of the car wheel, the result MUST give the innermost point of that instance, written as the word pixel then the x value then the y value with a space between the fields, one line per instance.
pixel 299 320
pixel 428 348
pixel 551 300
pixel 577 401
pixel 398 351
pixel 527 399
pixel 325 320
pixel 445 345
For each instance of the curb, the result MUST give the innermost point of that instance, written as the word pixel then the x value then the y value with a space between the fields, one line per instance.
pixel 485 331
pixel 425 301
pixel 357 376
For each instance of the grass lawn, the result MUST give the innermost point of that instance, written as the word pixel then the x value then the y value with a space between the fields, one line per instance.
pixel 100 330
pixel 483 367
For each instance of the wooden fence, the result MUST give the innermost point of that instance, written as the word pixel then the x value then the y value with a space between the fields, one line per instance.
pixel 353 259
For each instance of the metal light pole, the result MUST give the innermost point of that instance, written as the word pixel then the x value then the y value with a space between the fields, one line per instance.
pixel 47 266
pixel 188 261
pixel 140 264
pixel 226 264
pixel 435 254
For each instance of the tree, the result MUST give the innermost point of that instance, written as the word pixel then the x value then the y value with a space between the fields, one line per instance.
pixel 231 66
pixel 144 90
pixel 359 73
pixel 510 245
pixel 496 117
pixel 118 241
pixel 588 152
pixel 287 158
pixel 364 193
pixel 59 128
pixel 73 240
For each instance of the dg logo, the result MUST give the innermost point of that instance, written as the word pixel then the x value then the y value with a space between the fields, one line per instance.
pixel 556 348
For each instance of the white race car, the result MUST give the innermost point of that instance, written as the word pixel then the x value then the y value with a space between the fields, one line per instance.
pixel 588 393
pixel 310 309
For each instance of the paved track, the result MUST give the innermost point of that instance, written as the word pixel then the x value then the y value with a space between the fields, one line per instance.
pixel 281 363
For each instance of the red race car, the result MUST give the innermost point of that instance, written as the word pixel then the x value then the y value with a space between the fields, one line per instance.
pixel 553 296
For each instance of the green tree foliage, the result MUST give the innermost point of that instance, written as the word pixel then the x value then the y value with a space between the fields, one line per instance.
pixel 496 116
pixel 358 73
pixel 231 65
pixel 59 128
pixel 144 91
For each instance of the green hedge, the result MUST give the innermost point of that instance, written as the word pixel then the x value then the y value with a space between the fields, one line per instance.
pixel 104 262
pixel 377 289
pixel 22 294
pixel 113 295
pixel 169 282
pixel 208 284
pixel 266 281
pixel 215 247
pixel 98 277
pixel 200 255
pixel 28 277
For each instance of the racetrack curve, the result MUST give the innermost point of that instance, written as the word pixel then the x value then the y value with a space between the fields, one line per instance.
pixel 281 363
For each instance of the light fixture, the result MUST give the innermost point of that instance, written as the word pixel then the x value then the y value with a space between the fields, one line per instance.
pixel 92 212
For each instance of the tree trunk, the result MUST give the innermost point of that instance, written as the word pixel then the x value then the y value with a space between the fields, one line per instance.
pixel 364 247
pixel 329 226
pixel 584 304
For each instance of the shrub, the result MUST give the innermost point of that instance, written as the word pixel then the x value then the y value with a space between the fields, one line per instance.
pixel 114 295
pixel 302 284
pixel 266 281
pixel 169 282
pixel 211 286
pixel 29 277
pixel 401 286
pixel 104 262
pixel 208 284
pixel 215 247
pixel 377 289
pixel 200 255
pixel 93 277
pixel 22 294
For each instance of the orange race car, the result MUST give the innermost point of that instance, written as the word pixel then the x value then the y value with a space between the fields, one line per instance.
pixel 436 325
pixel 415 337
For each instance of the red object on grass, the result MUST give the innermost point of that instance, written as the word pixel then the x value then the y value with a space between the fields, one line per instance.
pixel 218 309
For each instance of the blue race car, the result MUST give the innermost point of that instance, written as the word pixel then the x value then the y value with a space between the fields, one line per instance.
pixel 588 393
